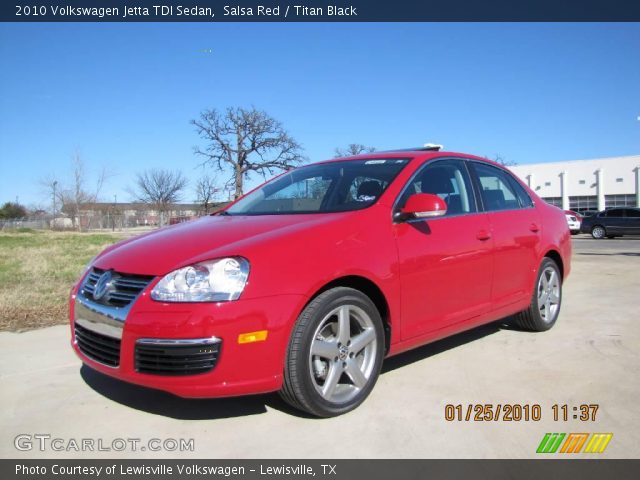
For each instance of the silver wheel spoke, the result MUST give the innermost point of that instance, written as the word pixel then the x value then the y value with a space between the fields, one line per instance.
pixel 354 372
pixel 362 340
pixel 542 298
pixel 544 280
pixel 324 348
pixel 555 299
pixel 344 325
pixel 335 371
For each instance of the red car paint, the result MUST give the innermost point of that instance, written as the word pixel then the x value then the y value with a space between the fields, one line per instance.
pixel 444 276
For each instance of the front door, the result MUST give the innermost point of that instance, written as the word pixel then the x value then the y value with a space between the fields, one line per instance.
pixel 445 263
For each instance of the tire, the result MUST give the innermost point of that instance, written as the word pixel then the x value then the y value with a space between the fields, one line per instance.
pixel 545 301
pixel 329 369
pixel 598 232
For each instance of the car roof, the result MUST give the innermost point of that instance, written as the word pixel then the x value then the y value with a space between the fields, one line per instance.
pixel 411 154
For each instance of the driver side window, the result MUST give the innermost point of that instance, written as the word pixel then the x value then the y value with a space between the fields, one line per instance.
pixel 449 180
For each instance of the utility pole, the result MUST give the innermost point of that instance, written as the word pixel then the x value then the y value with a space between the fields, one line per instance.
pixel 55 184
pixel 113 218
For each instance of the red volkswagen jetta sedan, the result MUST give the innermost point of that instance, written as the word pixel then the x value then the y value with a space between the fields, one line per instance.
pixel 305 284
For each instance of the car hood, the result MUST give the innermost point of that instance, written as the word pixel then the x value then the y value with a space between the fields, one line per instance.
pixel 164 250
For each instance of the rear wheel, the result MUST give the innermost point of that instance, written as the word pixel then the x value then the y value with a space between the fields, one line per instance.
pixel 598 232
pixel 545 301
pixel 335 353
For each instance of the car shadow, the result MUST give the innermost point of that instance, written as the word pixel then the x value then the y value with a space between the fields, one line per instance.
pixel 440 346
pixel 627 254
pixel 165 404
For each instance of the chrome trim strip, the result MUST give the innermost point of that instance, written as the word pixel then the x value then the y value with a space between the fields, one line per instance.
pixel 115 313
pixel 97 318
pixel 178 341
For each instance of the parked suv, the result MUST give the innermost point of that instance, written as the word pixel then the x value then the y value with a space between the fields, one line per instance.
pixel 306 284
pixel 614 222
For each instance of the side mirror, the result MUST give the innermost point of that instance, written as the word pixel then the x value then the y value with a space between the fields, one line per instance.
pixel 422 205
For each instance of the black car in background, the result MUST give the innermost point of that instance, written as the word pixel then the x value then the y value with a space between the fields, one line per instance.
pixel 613 222
pixel 587 213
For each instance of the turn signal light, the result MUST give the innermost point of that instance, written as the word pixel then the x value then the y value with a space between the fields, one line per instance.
pixel 259 336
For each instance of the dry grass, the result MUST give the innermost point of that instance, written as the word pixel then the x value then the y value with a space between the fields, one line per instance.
pixel 37 270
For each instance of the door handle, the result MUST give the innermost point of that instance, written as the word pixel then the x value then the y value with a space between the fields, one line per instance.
pixel 483 235
pixel 534 228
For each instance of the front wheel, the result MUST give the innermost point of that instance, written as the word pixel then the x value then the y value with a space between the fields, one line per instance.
pixel 545 301
pixel 335 353
pixel 598 232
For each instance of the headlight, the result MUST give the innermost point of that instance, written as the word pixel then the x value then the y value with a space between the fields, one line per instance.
pixel 211 281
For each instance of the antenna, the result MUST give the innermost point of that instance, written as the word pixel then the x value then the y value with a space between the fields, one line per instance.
pixel 432 146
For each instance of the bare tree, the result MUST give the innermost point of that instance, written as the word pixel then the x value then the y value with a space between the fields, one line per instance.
pixel 69 197
pixel 160 188
pixel 245 141
pixel 503 161
pixel 77 194
pixel 353 149
pixel 206 190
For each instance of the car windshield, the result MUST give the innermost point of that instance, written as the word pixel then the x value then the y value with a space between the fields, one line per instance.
pixel 322 188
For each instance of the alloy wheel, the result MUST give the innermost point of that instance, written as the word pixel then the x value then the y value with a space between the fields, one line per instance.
pixel 343 353
pixel 598 232
pixel 549 294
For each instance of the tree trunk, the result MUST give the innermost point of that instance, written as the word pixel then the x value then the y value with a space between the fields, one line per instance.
pixel 238 182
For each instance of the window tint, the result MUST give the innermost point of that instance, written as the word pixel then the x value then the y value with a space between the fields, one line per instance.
pixel 324 187
pixel 523 197
pixel 365 189
pixel 303 195
pixel 496 189
pixel 633 213
pixel 449 180
pixel 616 212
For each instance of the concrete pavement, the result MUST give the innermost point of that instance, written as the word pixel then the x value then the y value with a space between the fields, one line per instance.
pixel 592 356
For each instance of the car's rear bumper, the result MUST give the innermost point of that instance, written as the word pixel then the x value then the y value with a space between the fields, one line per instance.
pixel 240 368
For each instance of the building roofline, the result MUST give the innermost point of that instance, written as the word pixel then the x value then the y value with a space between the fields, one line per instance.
pixel 562 162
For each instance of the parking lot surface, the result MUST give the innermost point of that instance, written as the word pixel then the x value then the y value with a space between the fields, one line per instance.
pixel 592 356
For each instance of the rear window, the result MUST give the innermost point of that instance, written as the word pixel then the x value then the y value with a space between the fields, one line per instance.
pixel 496 188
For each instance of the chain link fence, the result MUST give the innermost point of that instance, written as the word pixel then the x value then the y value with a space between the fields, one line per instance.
pixel 118 222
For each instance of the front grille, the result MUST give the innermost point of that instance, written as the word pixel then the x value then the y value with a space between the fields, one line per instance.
pixel 123 289
pixel 163 359
pixel 98 347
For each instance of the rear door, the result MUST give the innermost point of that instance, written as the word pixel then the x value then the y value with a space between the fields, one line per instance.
pixel 516 227
pixel 632 220
pixel 615 221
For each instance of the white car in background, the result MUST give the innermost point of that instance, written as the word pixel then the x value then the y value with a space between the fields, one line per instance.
pixel 574 223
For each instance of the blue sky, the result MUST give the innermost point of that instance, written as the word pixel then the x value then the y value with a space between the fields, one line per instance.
pixel 123 94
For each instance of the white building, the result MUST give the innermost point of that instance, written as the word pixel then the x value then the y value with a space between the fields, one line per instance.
pixel 585 184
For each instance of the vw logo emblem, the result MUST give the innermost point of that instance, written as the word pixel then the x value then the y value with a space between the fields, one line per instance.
pixel 103 285
pixel 343 352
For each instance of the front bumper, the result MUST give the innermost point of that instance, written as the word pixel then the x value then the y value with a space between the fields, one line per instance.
pixel 240 368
